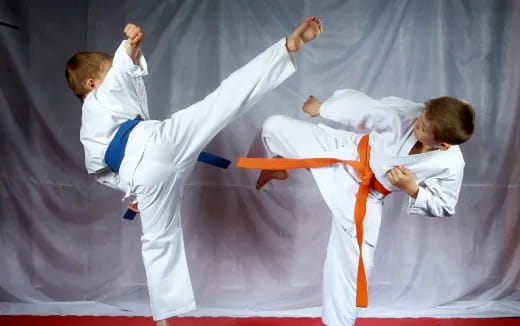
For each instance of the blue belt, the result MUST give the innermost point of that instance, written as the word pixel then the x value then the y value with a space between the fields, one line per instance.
pixel 116 149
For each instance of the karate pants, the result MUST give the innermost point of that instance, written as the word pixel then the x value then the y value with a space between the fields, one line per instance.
pixel 338 184
pixel 168 158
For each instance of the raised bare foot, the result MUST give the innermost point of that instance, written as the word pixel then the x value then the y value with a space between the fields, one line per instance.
pixel 268 175
pixel 309 30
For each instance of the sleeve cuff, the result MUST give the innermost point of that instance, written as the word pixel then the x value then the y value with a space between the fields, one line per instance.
pixel 124 63
pixel 283 42
pixel 328 108
pixel 418 204
pixel 324 110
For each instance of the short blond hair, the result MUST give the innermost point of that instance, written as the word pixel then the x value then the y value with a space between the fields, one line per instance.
pixel 452 119
pixel 82 66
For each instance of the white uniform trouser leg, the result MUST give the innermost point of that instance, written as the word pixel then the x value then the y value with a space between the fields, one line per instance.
pixel 340 276
pixel 169 156
pixel 292 138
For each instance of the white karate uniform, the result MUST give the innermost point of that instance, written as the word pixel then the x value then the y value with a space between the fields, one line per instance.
pixel 390 124
pixel 160 155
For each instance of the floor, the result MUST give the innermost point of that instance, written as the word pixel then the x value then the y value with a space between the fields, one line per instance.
pixel 227 321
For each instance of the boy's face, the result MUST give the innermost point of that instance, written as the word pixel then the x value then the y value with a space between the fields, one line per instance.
pixel 423 131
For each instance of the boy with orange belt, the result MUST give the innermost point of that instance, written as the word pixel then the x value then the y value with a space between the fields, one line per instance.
pixel 403 146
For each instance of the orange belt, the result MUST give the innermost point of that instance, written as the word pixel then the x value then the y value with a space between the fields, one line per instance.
pixel 368 181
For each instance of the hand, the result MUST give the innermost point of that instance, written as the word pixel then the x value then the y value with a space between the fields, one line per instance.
pixel 133 206
pixel 312 106
pixel 403 179
pixel 135 37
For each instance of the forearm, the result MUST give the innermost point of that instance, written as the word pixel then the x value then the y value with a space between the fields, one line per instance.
pixel 356 110
pixel 124 66
pixel 428 204
pixel 432 202
pixel 133 52
pixel 412 190
pixel 430 197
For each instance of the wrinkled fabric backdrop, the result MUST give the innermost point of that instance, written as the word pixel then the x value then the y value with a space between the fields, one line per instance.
pixel 64 247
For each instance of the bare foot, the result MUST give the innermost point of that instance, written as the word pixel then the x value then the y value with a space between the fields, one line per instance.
pixel 163 322
pixel 268 175
pixel 309 30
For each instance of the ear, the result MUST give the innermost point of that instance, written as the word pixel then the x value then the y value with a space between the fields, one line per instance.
pixel 443 146
pixel 90 84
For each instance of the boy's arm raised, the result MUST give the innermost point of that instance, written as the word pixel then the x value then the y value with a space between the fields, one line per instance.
pixel 359 111
pixel 128 59
pixel 128 66
pixel 356 110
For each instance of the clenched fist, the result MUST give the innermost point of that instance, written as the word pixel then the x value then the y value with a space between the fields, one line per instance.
pixel 403 179
pixel 312 106
pixel 135 35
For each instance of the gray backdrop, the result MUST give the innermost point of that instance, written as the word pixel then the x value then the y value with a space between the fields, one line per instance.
pixel 65 249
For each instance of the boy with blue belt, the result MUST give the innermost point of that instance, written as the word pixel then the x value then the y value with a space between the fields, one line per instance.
pixel 152 159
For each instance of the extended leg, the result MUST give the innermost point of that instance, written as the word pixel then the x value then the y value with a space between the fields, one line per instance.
pixel 189 130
